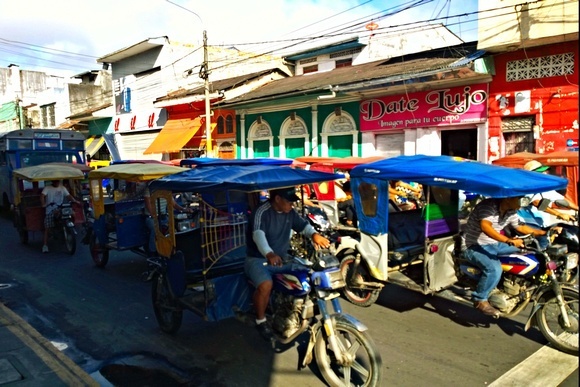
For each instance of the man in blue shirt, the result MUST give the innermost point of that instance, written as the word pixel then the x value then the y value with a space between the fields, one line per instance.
pixel 268 243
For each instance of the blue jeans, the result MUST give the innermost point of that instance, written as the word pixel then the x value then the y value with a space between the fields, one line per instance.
pixel 486 258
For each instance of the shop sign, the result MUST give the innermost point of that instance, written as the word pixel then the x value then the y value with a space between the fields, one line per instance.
pixel 451 106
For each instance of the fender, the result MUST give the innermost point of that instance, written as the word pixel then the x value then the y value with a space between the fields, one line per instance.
pixel 350 319
pixel 537 306
pixel 347 242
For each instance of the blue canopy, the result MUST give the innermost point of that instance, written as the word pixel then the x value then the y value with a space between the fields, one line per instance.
pixel 460 174
pixel 239 177
pixel 208 161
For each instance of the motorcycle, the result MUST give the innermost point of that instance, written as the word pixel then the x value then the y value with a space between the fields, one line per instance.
pixel 201 269
pixel 64 227
pixel 417 249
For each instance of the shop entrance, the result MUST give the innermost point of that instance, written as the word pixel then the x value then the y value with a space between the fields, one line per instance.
pixel 462 143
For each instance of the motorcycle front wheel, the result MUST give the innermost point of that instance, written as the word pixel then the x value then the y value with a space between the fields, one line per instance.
pixel 70 240
pixel 551 324
pixel 358 296
pixel 167 313
pixel 362 365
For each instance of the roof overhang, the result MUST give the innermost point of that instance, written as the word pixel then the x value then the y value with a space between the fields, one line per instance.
pixel 133 50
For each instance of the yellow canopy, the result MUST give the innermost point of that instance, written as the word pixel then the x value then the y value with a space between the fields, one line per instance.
pixel 46 172
pixel 174 135
pixel 135 172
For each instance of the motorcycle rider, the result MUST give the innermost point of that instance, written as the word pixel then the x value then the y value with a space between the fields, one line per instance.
pixel 485 241
pixel 51 197
pixel 268 242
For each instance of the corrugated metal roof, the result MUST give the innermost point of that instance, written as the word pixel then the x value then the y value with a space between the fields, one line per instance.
pixel 319 82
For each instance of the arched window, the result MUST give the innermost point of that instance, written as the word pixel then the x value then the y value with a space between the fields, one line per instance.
pixel 260 140
pixel 339 135
pixel 220 125
pixel 294 140
pixel 229 124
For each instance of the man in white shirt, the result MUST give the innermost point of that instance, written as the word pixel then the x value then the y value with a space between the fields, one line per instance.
pixel 51 197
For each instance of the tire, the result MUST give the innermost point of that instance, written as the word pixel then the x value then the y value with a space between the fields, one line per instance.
pixel 549 321
pixel 167 313
pixel 70 240
pixel 359 296
pixel 365 369
pixel 99 254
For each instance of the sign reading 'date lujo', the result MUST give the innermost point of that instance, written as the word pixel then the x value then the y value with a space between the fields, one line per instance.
pixel 452 106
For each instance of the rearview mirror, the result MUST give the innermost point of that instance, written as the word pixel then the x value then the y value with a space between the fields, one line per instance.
pixel 562 203
pixel 544 203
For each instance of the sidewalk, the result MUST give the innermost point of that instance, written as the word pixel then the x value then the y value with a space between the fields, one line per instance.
pixel 28 359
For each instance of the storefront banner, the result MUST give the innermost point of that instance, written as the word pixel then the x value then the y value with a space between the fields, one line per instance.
pixel 451 106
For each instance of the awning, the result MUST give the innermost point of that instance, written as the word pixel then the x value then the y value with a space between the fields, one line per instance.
pixel 174 135
pixel 93 144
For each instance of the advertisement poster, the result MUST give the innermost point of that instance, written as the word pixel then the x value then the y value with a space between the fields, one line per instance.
pixel 442 107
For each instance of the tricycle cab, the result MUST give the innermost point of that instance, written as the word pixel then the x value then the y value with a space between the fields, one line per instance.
pixel 204 260
pixel 28 184
pixel 416 248
pixel 119 200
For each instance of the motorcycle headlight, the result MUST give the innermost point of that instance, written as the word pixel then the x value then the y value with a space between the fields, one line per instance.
pixel 571 261
pixel 67 211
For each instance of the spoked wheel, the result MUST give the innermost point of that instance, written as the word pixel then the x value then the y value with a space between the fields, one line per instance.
pixel 167 312
pixel 358 296
pixel 100 254
pixel 361 363
pixel 551 323
pixel 70 240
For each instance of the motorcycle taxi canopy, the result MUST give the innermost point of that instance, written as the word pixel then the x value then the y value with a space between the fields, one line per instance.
pixel 134 172
pixel 460 174
pixel 208 161
pixel 439 171
pixel 247 178
pixel 46 172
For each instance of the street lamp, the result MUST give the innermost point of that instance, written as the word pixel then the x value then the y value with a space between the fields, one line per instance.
pixel 204 74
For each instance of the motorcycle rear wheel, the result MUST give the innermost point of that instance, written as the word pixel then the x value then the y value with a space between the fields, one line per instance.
pixel 358 296
pixel 70 240
pixel 549 321
pixel 364 366
pixel 168 316
pixel 99 254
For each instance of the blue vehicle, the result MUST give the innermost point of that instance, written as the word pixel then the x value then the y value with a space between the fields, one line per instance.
pixel 421 249
pixel 201 268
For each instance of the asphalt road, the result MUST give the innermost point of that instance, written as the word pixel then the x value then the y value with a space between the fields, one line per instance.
pixel 105 320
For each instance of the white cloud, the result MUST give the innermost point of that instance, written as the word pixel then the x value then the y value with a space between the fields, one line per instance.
pixel 97 28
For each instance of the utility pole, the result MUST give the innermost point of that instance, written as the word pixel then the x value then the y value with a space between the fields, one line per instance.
pixel 204 73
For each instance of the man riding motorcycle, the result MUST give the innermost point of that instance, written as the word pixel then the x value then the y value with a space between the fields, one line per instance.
pixel 51 198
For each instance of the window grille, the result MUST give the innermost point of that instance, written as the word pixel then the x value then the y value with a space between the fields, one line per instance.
pixel 352 51
pixel 518 134
pixel 540 67
pixel 309 60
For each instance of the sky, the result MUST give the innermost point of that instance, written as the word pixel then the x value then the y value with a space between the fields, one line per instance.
pixel 65 37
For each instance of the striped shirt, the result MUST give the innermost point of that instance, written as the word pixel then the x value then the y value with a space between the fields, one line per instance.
pixel 270 230
pixel 488 210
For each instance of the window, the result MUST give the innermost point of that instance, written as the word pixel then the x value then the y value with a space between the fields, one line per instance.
pixel 229 124
pixel 343 63
pixel 47 119
pixel 518 135
pixel 220 125
pixel 369 198
pixel 310 69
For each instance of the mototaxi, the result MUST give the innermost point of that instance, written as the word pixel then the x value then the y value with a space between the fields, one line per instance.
pixel 28 184
pixel 119 209
pixel 201 265
pixel 421 249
